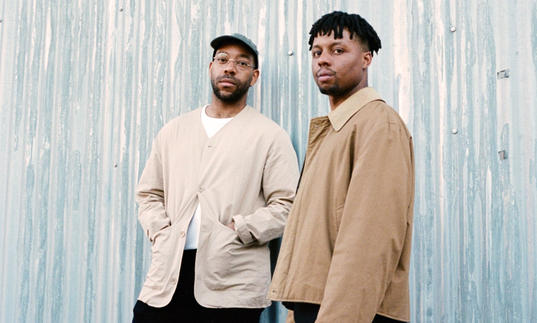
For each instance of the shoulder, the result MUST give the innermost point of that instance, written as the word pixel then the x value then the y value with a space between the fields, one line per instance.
pixel 180 123
pixel 379 115
pixel 262 124
pixel 379 111
pixel 264 133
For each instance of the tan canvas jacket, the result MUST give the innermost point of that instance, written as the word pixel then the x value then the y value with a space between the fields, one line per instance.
pixel 346 245
pixel 246 172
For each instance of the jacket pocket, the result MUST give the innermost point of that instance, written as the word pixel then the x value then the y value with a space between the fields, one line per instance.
pixel 232 264
pixel 160 253
pixel 221 241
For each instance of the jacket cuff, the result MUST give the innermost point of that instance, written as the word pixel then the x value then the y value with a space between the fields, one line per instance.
pixel 242 229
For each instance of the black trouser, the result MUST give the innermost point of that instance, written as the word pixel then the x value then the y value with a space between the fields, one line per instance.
pixel 184 308
pixel 307 313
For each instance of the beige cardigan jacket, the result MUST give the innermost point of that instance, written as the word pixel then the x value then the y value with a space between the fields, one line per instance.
pixel 346 245
pixel 247 172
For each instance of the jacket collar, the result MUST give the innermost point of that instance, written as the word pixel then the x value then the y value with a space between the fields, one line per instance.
pixel 342 113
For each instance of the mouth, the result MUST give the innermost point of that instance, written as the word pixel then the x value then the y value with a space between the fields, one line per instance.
pixel 227 81
pixel 324 75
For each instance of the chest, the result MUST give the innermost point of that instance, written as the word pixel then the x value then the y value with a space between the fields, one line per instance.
pixel 331 152
pixel 231 150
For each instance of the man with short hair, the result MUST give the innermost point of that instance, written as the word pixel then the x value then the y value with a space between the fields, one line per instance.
pixel 345 253
pixel 215 190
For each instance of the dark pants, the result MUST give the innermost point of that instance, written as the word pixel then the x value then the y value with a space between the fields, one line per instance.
pixel 184 307
pixel 307 313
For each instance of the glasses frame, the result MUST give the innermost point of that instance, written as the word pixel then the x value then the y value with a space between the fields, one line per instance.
pixel 239 64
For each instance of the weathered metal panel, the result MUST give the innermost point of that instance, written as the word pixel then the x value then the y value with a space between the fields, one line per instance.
pixel 85 85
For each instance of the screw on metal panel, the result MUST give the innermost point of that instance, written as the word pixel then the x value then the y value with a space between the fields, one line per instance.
pixel 452 29
pixel 290 53
pixel 121 10
pixel 115 165
pixel 503 74
pixel 502 154
pixel 454 131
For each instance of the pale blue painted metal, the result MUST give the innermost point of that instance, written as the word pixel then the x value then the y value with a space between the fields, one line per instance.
pixel 85 85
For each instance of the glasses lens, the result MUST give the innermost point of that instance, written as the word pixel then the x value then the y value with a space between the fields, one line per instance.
pixel 223 59
pixel 243 64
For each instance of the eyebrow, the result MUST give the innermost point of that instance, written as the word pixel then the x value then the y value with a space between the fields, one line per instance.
pixel 332 44
pixel 240 55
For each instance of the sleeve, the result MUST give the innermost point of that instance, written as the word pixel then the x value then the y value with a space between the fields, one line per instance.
pixel 150 196
pixel 373 226
pixel 280 177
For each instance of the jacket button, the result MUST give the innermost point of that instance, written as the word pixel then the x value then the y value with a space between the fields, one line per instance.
pixel 182 234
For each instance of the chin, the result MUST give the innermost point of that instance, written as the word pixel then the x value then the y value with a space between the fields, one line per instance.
pixel 328 90
pixel 229 98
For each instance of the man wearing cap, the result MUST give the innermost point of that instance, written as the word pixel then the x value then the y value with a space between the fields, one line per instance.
pixel 215 190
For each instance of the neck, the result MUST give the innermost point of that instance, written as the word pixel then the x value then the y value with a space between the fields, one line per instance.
pixel 336 101
pixel 220 109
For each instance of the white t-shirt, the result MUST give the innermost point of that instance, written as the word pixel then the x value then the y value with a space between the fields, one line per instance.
pixel 212 126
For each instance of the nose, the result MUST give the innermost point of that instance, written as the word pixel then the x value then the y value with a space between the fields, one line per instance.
pixel 230 67
pixel 323 59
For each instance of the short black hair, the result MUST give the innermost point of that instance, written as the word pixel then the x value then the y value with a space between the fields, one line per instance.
pixel 337 21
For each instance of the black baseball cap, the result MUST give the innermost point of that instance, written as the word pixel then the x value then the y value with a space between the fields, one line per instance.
pixel 235 38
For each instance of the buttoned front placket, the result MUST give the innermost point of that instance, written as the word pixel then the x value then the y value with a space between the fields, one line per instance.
pixel 207 155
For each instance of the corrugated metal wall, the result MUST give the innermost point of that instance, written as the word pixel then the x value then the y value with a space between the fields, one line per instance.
pixel 85 85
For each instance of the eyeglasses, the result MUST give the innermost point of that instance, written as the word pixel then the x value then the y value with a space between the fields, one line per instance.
pixel 223 59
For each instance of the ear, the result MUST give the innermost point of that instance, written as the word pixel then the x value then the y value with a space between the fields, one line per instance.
pixel 366 59
pixel 255 76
